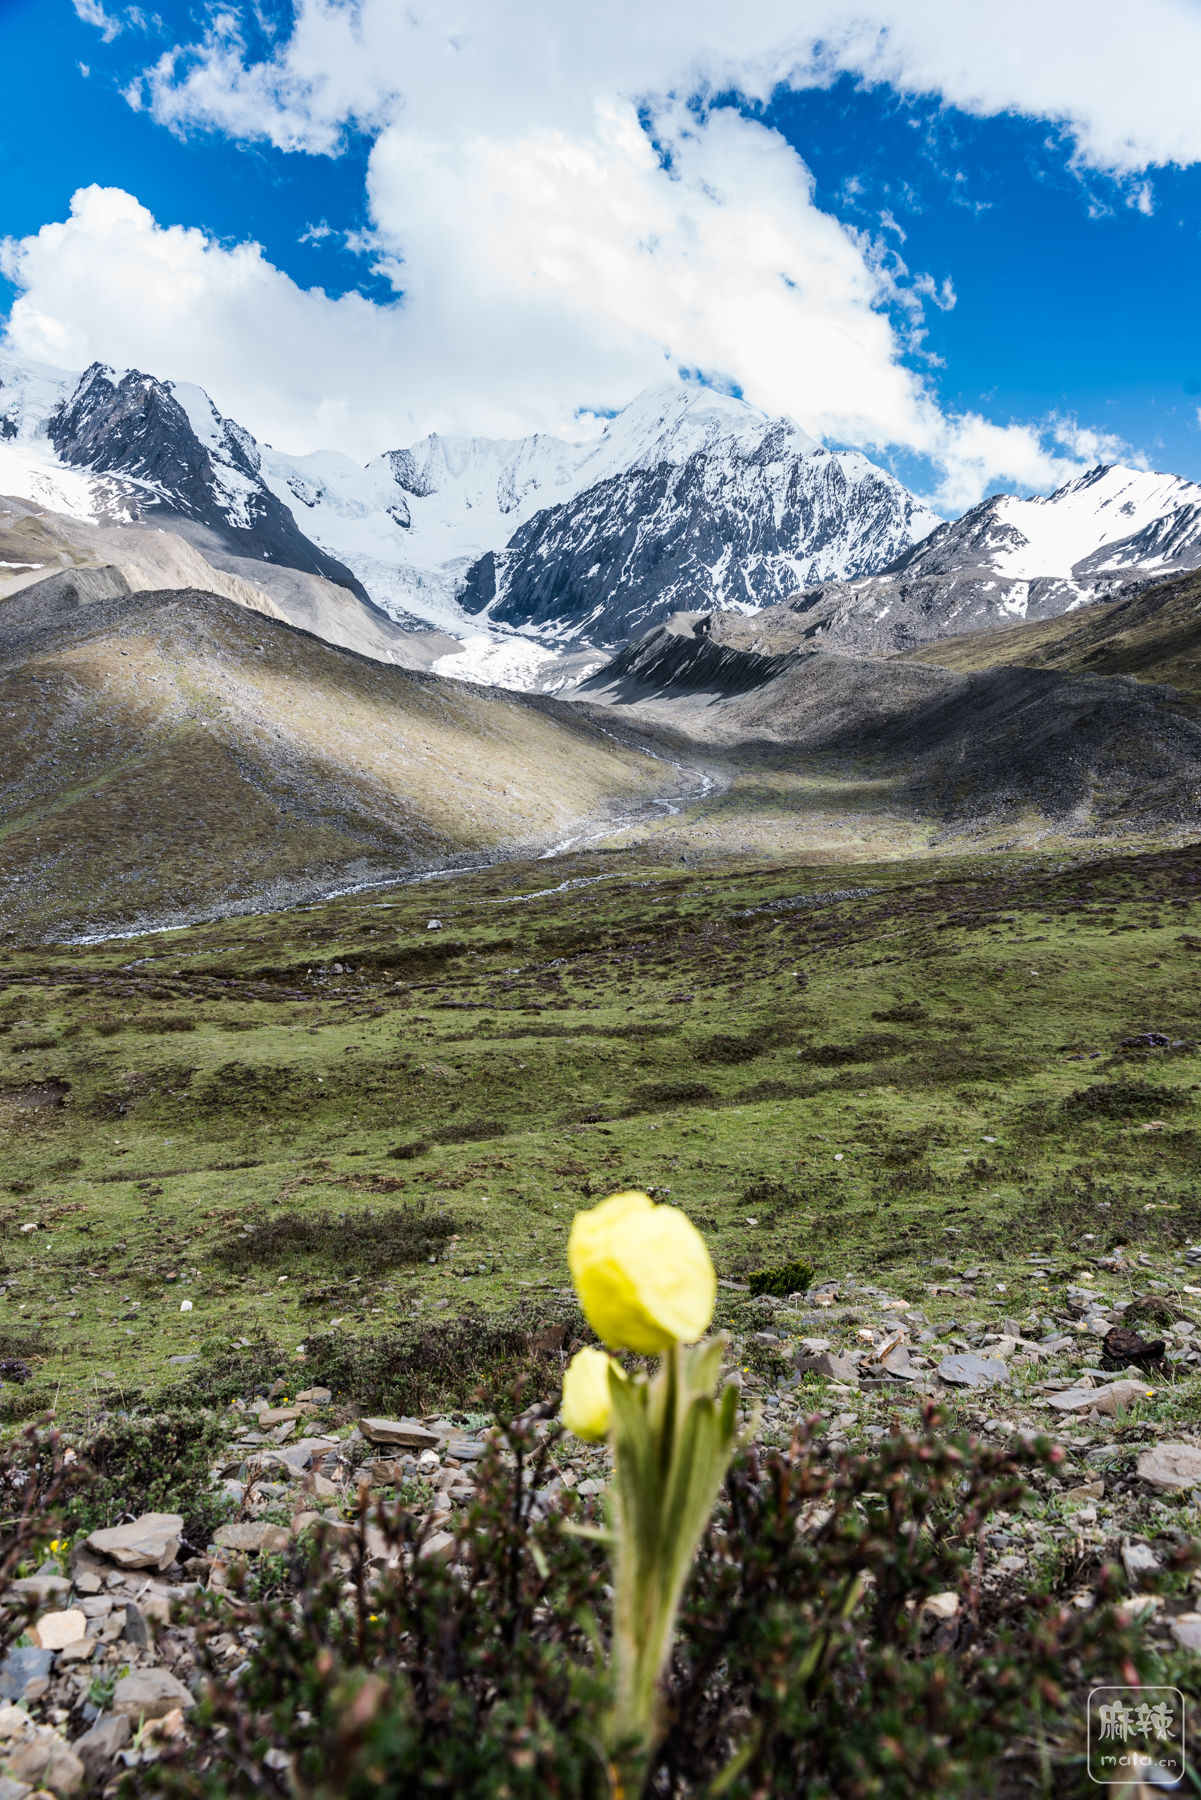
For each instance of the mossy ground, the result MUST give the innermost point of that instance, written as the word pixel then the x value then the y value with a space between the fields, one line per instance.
pixel 890 1082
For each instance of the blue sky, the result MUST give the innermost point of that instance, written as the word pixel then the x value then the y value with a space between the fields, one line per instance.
pixel 1023 285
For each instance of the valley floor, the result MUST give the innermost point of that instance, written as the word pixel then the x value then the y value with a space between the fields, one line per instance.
pixel 871 1066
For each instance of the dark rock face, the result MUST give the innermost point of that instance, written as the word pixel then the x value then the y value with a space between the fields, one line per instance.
pixel 731 531
pixel 135 430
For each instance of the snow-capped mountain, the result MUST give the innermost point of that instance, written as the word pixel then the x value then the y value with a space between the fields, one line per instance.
pixel 521 549
pixel 415 522
pixel 1009 559
pixel 730 510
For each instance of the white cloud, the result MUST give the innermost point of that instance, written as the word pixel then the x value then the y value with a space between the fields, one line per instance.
pixel 92 13
pixel 549 259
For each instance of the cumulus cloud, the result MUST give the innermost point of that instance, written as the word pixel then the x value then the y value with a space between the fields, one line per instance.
pixel 567 217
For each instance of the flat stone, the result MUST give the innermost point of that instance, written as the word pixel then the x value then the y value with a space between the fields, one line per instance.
pixel 315 1396
pixel 1186 1629
pixel 280 1415
pixel 829 1364
pixel 251 1537
pixel 1088 1490
pixel 465 1449
pixel 40 1588
pixel 55 1630
pixel 82 1650
pixel 20 1667
pixel 407 1434
pixel 150 1542
pixel 938 1607
pixel 150 1694
pixel 1111 1400
pixel 965 1369
pixel 1171 1467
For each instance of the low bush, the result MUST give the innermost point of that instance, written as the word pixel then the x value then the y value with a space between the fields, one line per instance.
pixel 1123 1100
pixel 460 1363
pixel 781 1279
pixel 160 1462
pixel 805 1663
pixel 362 1240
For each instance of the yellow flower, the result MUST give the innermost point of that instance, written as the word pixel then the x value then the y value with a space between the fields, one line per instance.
pixel 586 1404
pixel 642 1272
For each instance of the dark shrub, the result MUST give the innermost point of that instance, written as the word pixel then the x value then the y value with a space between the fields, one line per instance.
pixel 408 1152
pixel 367 1239
pixel 723 1047
pixel 469 1131
pixel 803 1665
pixel 908 1012
pixel 780 1280
pixel 1123 1100
pixel 157 1463
pixel 461 1362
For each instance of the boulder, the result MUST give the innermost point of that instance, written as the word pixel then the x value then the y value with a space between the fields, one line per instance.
pixel 1186 1629
pixel 404 1434
pixel 1171 1467
pixel 830 1365
pixel 151 1542
pixel 252 1537
pixel 316 1396
pixel 21 1666
pixel 964 1369
pixel 150 1694
pixel 97 1749
pixel 438 1547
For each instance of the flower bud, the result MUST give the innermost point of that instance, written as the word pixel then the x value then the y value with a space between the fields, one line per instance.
pixel 586 1404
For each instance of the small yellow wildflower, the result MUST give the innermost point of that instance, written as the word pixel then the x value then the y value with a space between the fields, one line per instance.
pixel 643 1274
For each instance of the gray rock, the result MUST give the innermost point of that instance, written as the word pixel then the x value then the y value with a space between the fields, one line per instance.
pixel 1111 1400
pixel 22 1666
pixel 965 1369
pixel 150 1694
pixel 252 1536
pixel 137 1631
pixel 829 1364
pixel 407 1434
pixel 50 1763
pixel 1139 1561
pixel 1171 1467
pixel 97 1749
pixel 1186 1629
pixel 465 1449
pixel 151 1542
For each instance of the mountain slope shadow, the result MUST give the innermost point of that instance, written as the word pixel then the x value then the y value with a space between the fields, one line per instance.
pixel 1035 747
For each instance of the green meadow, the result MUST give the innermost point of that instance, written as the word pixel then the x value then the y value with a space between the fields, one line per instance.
pixel 297 1128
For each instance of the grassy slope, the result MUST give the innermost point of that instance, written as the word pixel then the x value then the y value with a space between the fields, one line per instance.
pixel 876 1083
pixel 168 755
pixel 1155 636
